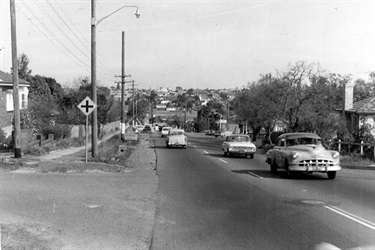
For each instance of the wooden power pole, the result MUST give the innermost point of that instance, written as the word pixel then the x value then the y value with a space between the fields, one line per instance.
pixel 16 99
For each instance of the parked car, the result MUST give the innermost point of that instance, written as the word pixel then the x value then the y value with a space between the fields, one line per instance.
pixel 239 144
pixel 303 152
pixel 165 131
pixel 147 128
pixel 176 137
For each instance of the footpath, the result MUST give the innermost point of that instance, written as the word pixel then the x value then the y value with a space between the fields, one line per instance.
pixel 138 208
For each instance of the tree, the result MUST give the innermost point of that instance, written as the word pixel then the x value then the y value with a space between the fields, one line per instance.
pixel 23 67
pixel 363 90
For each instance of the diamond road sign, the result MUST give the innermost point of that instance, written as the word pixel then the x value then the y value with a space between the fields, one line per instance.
pixel 87 106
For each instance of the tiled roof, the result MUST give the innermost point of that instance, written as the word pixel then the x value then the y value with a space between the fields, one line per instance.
pixel 365 106
pixel 6 78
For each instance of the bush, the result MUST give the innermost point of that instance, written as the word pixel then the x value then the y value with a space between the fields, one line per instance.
pixel 58 130
pixel 267 147
pixel 5 142
pixel 34 150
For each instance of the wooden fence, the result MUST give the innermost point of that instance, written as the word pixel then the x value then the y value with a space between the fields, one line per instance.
pixel 352 147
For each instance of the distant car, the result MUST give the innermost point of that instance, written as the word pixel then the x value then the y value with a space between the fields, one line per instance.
pixel 303 152
pixel 209 132
pixel 238 144
pixel 222 133
pixel 177 138
pixel 147 128
pixel 165 131
pixel 139 128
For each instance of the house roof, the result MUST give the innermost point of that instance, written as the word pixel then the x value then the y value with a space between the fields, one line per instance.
pixel 366 106
pixel 7 80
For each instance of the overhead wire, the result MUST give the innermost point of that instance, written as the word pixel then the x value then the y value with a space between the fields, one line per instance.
pixel 58 27
pixel 83 41
pixel 51 36
pixel 74 59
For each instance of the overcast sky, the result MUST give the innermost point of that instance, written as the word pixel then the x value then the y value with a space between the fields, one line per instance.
pixel 192 44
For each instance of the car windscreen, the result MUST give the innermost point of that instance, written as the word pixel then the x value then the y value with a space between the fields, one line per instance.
pixel 303 141
pixel 176 133
pixel 239 138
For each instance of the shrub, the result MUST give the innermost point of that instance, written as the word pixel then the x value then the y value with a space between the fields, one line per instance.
pixel 267 147
pixel 35 150
pixel 58 130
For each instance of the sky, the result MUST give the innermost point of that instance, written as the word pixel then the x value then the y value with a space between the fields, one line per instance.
pixel 192 44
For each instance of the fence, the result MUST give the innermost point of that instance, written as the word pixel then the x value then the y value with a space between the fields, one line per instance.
pixel 353 147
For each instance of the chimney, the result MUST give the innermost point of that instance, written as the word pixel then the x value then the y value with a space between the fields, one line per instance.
pixel 348 98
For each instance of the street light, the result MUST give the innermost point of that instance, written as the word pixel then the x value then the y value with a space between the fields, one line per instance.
pixel 94 23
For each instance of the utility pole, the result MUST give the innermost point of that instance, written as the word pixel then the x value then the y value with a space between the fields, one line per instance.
pixel 16 99
pixel 133 99
pixel 94 121
pixel 123 76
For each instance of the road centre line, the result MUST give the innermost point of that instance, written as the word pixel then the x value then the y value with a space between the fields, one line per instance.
pixel 205 152
pixel 223 160
pixel 352 217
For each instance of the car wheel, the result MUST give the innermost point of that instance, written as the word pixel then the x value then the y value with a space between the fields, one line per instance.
pixel 252 156
pixel 273 166
pixel 289 173
pixel 331 175
pixel 167 145
pixel 184 146
pixel 225 153
pixel 228 154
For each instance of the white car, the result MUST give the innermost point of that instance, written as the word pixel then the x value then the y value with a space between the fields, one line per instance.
pixel 165 131
pixel 176 137
pixel 239 144
pixel 303 152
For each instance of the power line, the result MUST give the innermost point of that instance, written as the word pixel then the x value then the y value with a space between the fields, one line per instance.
pixel 54 43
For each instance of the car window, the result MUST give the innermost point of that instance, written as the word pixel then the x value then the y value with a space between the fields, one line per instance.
pixel 309 141
pixel 238 138
pixel 176 133
pixel 281 142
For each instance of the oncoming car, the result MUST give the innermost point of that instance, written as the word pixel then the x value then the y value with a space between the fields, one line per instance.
pixel 303 152
pixel 176 137
pixel 238 144
pixel 165 131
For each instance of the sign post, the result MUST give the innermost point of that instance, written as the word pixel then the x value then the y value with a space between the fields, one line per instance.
pixel 87 106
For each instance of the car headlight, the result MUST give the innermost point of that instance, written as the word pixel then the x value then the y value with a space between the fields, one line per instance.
pixel 295 155
pixel 335 155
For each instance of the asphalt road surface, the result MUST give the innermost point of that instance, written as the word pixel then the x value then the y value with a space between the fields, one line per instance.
pixel 208 201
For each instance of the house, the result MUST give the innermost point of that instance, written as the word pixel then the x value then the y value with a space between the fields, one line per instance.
pixel 6 100
pixel 358 113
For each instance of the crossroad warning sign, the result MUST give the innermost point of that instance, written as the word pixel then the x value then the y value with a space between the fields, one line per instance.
pixel 87 106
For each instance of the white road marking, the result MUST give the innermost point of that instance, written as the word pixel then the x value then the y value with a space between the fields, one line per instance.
pixel 194 146
pixel 223 160
pixel 352 217
pixel 205 152
pixel 255 175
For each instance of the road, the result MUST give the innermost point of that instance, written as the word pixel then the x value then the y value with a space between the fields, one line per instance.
pixel 79 210
pixel 208 201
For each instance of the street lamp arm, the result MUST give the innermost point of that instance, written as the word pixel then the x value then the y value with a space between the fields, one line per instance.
pixel 136 13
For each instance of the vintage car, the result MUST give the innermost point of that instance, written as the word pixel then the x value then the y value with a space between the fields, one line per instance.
pixel 303 152
pixel 165 131
pixel 176 137
pixel 239 144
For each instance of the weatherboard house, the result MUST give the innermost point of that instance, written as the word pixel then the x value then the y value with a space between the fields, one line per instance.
pixel 6 100
pixel 358 113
